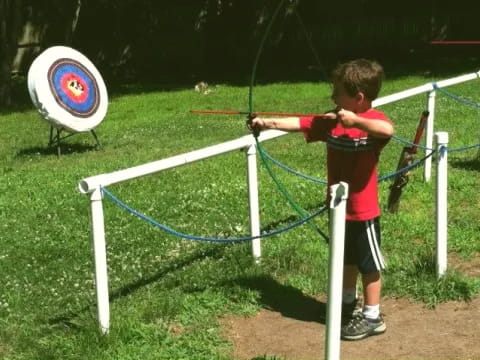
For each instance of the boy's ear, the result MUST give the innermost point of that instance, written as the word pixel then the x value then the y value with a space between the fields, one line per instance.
pixel 360 97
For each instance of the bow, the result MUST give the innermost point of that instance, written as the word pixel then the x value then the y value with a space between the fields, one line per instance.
pixel 251 114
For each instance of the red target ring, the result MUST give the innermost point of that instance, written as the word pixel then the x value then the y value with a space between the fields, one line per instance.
pixel 74 87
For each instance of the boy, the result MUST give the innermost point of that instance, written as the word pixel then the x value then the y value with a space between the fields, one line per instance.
pixel 355 134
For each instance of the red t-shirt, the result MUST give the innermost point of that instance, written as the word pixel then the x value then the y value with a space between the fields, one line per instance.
pixel 352 157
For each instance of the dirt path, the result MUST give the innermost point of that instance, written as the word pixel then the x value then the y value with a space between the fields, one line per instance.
pixel 292 329
pixel 451 331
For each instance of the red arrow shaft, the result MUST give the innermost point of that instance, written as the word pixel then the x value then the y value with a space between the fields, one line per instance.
pixel 256 113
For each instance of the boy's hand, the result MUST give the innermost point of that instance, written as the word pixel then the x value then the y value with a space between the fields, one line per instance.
pixel 347 118
pixel 254 126
pixel 257 124
pixel 376 128
pixel 331 115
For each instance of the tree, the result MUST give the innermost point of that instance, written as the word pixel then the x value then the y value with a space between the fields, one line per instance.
pixel 10 25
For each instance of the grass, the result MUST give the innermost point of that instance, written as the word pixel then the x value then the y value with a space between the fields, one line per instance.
pixel 167 293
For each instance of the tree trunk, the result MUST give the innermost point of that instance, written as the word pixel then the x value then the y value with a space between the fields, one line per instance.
pixel 10 18
pixel 70 31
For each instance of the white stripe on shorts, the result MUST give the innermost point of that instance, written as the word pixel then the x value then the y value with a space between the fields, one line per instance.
pixel 374 249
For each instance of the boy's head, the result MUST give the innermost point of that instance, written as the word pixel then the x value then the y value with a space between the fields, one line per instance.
pixel 359 76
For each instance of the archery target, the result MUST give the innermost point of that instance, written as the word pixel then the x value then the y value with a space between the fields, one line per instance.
pixel 31 71
pixel 67 89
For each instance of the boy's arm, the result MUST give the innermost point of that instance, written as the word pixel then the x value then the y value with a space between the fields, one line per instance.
pixel 376 128
pixel 284 123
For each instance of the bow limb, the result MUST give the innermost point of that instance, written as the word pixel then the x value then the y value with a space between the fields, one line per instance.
pixel 251 115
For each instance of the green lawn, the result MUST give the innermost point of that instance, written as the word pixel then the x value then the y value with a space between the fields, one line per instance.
pixel 167 293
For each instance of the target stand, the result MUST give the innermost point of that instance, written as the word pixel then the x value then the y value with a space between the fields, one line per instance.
pixel 56 138
pixel 68 92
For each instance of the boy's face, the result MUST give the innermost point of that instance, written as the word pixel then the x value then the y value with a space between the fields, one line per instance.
pixel 343 100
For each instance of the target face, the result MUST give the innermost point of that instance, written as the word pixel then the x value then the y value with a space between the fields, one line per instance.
pixel 67 89
pixel 74 87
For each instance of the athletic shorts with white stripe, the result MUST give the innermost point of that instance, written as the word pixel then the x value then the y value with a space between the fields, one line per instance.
pixel 362 245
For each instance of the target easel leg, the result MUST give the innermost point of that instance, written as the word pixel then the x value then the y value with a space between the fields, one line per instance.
pixel 54 139
pixel 50 141
pixel 58 142
pixel 99 145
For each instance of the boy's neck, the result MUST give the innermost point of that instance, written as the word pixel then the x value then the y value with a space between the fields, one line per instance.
pixel 364 107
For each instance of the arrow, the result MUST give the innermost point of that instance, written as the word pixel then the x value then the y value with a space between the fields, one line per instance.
pixel 257 113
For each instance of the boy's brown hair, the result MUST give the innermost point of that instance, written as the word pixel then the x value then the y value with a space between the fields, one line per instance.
pixel 359 75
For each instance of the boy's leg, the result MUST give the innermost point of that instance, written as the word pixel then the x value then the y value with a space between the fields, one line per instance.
pixel 350 274
pixel 372 285
pixel 349 294
pixel 350 268
pixel 370 321
pixel 370 261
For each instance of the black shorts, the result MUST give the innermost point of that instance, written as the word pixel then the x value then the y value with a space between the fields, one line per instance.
pixel 362 245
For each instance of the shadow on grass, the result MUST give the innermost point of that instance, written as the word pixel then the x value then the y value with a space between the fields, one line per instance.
pixel 285 299
pixel 68 319
pixel 466 164
pixel 65 149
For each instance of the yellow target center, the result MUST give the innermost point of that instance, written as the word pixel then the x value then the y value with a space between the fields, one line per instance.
pixel 75 87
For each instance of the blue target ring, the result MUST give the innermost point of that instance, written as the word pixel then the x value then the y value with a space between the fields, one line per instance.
pixel 74 87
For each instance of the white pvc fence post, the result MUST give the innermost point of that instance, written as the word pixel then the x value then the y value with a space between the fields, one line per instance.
pixel 253 201
pixel 441 203
pixel 100 255
pixel 427 174
pixel 338 206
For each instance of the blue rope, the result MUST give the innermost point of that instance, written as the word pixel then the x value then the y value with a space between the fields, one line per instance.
pixel 456 97
pixel 406 142
pixel 386 177
pixel 285 167
pixel 208 239
pixel 468 147
pixel 464 101
pixel 406 168
pixel 380 179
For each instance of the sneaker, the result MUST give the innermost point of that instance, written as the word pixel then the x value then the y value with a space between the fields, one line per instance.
pixel 349 311
pixel 360 327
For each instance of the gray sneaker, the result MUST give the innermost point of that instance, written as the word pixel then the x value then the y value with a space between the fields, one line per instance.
pixel 349 311
pixel 360 327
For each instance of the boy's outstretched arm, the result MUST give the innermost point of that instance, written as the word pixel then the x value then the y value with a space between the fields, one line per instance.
pixel 377 128
pixel 283 123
